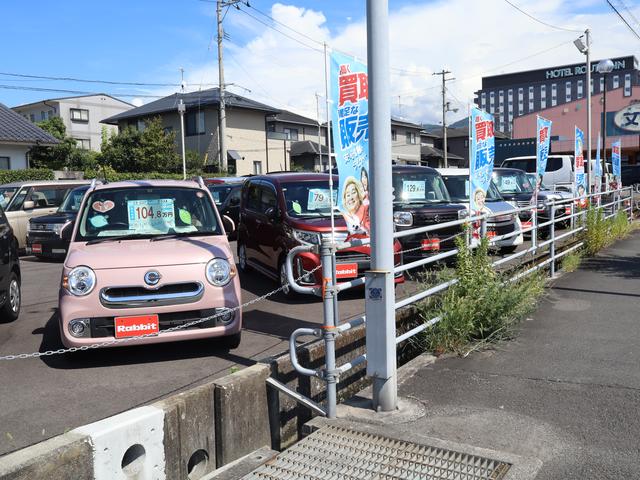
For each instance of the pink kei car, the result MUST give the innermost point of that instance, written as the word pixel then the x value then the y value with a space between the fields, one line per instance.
pixel 146 257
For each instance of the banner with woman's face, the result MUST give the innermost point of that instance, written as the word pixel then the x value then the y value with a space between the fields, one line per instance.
pixel 482 155
pixel 350 128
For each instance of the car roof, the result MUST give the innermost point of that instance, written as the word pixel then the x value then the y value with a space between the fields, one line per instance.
pixel 453 171
pixel 148 183
pixel 508 170
pixel 223 180
pixel 38 183
pixel 287 177
pixel 413 168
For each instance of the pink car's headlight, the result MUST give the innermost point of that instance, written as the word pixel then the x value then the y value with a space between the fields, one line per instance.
pixel 80 281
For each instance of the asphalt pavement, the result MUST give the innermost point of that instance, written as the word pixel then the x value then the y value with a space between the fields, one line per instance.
pixel 565 392
pixel 43 397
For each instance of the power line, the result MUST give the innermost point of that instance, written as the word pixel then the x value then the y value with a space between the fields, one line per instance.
pixel 86 80
pixel 540 21
pixel 75 92
pixel 624 20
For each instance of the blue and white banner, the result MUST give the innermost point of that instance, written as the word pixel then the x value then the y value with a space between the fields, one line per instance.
pixel 543 138
pixel 616 163
pixel 581 178
pixel 350 128
pixel 482 154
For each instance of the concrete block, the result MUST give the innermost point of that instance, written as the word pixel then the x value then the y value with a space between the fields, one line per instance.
pixel 128 446
pixel 61 457
pixel 242 421
pixel 189 433
pixel 237 469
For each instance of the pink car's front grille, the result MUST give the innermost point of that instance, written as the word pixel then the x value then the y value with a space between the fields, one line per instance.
pixel 137 296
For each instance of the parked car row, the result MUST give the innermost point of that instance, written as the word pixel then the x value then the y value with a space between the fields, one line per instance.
pixel 145 257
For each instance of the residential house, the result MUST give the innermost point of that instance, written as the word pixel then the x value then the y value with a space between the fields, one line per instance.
pixel 293 143
pixel 246 120
pixel 17 136
pixel 81 115
pixel 405 142
pixel 431 156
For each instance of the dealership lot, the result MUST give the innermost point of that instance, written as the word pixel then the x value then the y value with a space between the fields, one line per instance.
pixel 58 393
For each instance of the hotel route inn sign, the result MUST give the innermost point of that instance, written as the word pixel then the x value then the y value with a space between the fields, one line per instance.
pixel 628 118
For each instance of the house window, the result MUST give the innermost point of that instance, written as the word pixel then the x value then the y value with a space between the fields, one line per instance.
pixel 411 138
pixel 394 135
pixel 554 94
pixel 291 134
pixel 567 91
pixel 501 99
pixel 627 85
pixel 168 130
pixel 271 127
pixel 141 125
pixel 580 88
pixel 50 114
pixel 257 168
pixel 83 143
pixel 483 100
pixel 32 117
pixel 543 96
pixel 79 115
pixel 195 123
pixel 616 81
pixel 43 115
pixel 5 163
pixel 492 100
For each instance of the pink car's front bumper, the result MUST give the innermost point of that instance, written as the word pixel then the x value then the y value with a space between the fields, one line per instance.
pixel 101 314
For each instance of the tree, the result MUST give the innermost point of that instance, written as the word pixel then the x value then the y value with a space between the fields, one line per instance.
pixel 65 154
pixel 152 150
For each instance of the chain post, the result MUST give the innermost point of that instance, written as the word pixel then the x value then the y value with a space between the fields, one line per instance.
pixel 328 293
pixel 552 248
pixel 573 211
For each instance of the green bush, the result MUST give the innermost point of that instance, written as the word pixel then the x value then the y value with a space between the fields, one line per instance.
pixel 601 232
pixel 28 174
pixel 113 176
pixel 482 307
pixel 571 262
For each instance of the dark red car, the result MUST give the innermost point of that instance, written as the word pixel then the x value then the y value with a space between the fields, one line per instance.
pixel 284 210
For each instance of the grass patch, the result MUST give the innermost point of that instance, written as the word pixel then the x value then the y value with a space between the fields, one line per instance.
pixel 571 262
pixel 482 308
pixel 601 232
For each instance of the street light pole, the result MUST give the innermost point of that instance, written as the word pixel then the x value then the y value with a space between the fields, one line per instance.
pixel 587 34
pixel 379 287
pixel 604 68
pixel 181 110
pixel 444 113
pixel 222 114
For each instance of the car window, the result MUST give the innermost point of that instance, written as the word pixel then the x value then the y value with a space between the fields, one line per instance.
pixel 19 199
pixel 526 164
pixel 554 164
pixel 268 199
pixel 253 198
pixel 235 195
pixel 48 196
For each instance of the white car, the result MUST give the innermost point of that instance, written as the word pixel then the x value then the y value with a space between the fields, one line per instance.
pixel 504 221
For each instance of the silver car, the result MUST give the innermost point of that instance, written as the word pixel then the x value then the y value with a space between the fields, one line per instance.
pixel 505 219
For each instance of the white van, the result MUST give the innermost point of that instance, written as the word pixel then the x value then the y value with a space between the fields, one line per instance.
pixel 559 173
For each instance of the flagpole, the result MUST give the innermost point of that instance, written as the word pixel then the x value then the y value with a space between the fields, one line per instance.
pixel 327 92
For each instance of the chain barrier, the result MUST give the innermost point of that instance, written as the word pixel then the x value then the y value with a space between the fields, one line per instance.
pixel 117 341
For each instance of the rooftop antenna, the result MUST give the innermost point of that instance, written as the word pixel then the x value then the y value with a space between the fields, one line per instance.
pixel 181 111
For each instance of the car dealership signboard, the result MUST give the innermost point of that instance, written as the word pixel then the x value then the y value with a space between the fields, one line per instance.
pixel 482 152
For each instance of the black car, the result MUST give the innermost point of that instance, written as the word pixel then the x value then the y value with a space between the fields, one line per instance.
pixel 420 199
pixel 226 195
pixel 516 187
pixel 10 295
pixel 43 234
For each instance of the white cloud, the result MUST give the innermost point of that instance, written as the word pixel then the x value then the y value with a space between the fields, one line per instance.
pixel 468 38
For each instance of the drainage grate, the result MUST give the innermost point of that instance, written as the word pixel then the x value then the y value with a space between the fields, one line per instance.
pixel 340 453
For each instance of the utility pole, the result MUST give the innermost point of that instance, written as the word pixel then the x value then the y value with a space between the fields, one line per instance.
pixel 181 111
pixel 445 109
pixel 222 117
pixel 379 288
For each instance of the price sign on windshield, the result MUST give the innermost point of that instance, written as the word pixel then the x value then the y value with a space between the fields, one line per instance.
pixel 153 215
pixel 413 189
pixel 319 198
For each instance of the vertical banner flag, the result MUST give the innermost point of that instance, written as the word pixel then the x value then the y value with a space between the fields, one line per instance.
pixel 350 127
pixel 581 180
pixel 597 169
pixel 482 156
pixel 615 163
pixel 543 137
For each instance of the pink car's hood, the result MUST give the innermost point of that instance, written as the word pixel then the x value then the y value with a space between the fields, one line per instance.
pixel 143 253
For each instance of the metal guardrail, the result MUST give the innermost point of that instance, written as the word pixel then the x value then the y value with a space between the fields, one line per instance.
pixel 610 203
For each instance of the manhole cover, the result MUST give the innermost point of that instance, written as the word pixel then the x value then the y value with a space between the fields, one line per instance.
pixel 340 453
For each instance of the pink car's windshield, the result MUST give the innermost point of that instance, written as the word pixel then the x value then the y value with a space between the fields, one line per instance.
pixel 146 213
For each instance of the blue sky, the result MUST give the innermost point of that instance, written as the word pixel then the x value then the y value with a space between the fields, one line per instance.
pixel 148 41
